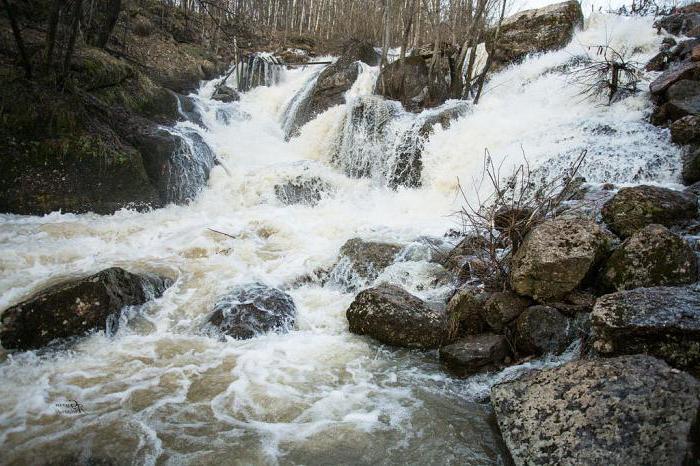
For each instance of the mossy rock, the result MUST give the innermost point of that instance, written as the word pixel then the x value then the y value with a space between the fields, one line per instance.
pixel 653 256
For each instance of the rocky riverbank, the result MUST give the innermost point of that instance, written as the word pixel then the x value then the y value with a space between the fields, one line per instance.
pixel 606 275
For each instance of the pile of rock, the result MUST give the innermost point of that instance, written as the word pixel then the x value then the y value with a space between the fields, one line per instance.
pixel 677 90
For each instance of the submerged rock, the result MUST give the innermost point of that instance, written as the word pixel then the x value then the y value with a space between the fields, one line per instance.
pixel 537 30
pixel 394 316
pixel 308 190
pixel 366 259
pixel 409 81
pixel 632 209
pixel 541 330
pixel 653 256
pixel 661 321
pixel 557 256
pixel 475 353
pixel 621 411
pixel 76 307
pixel 251 310
pixel 225 94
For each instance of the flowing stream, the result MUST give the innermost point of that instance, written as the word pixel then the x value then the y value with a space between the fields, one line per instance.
pixel 161 392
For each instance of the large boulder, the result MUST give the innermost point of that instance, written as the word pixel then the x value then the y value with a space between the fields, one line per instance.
pixel 75 307
pixel 632 209
pixel 409 81
pixel 557 255
pixel 393 316
pixel 683 98
pixel 332 84
pixel 541 330
pixel 250 310
pixel 678 72
pixel 661 321
pixel 621 411
pixel 537 30
pixel 475 353
pixel 652 256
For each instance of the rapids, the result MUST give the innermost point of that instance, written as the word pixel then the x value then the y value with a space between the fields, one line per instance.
pixel 160 392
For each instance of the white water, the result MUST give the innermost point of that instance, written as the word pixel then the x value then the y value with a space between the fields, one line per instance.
pixel 158 392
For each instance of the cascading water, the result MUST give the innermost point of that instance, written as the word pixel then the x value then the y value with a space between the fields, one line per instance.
pixel 161 392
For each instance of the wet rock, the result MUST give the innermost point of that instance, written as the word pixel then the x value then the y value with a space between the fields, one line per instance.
pixel 331 85
pixel 677 72
pixel 653 256
pixel 188 110
pixel 308 190
pixel 251 310
pixel 557 256
pixel 503 308
pixel 409 82
pixel 368 258
pixel 626 410
pixel 687 24
pixel 686 130
pixel 391 315
pixel 475 353
pixel 661 321
pixel 691 167
pixel 634 208
pixel 683 99
pixel 178 168
pixel 658 62
pixel 225 94
pixel 537 30
pixel 76 307
pixel 542 330
pixel 465 311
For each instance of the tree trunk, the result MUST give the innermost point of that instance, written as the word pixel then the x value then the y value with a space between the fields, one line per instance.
pixel 17 33
pixel 75 25
pixel 110 20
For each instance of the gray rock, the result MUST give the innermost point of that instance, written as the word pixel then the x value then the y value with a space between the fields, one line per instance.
pixel 332 83
pixel 686 130
pixel 687 24
pixel 308 190
pixel 621 411
pixel 678 72
pixel 537 30
pixel 632 209
pixel 409 82
pixel 367 258
pixel 465 309
pixel 76 307
pixel 393 316
pixel 683 99
pixel 661 321
pixel 251 310
pixel 653 256
pixel 541 330
pixel 691 166
pixel 475 353
pixel 503 308
pixel 556 256
pixel 225 94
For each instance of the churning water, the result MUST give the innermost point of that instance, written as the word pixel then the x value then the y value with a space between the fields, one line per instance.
pixel 161 392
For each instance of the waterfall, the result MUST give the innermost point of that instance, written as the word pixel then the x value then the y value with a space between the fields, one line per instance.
pixel 255 69
pixel 292 108
pixel 379 140
pixel 188 167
